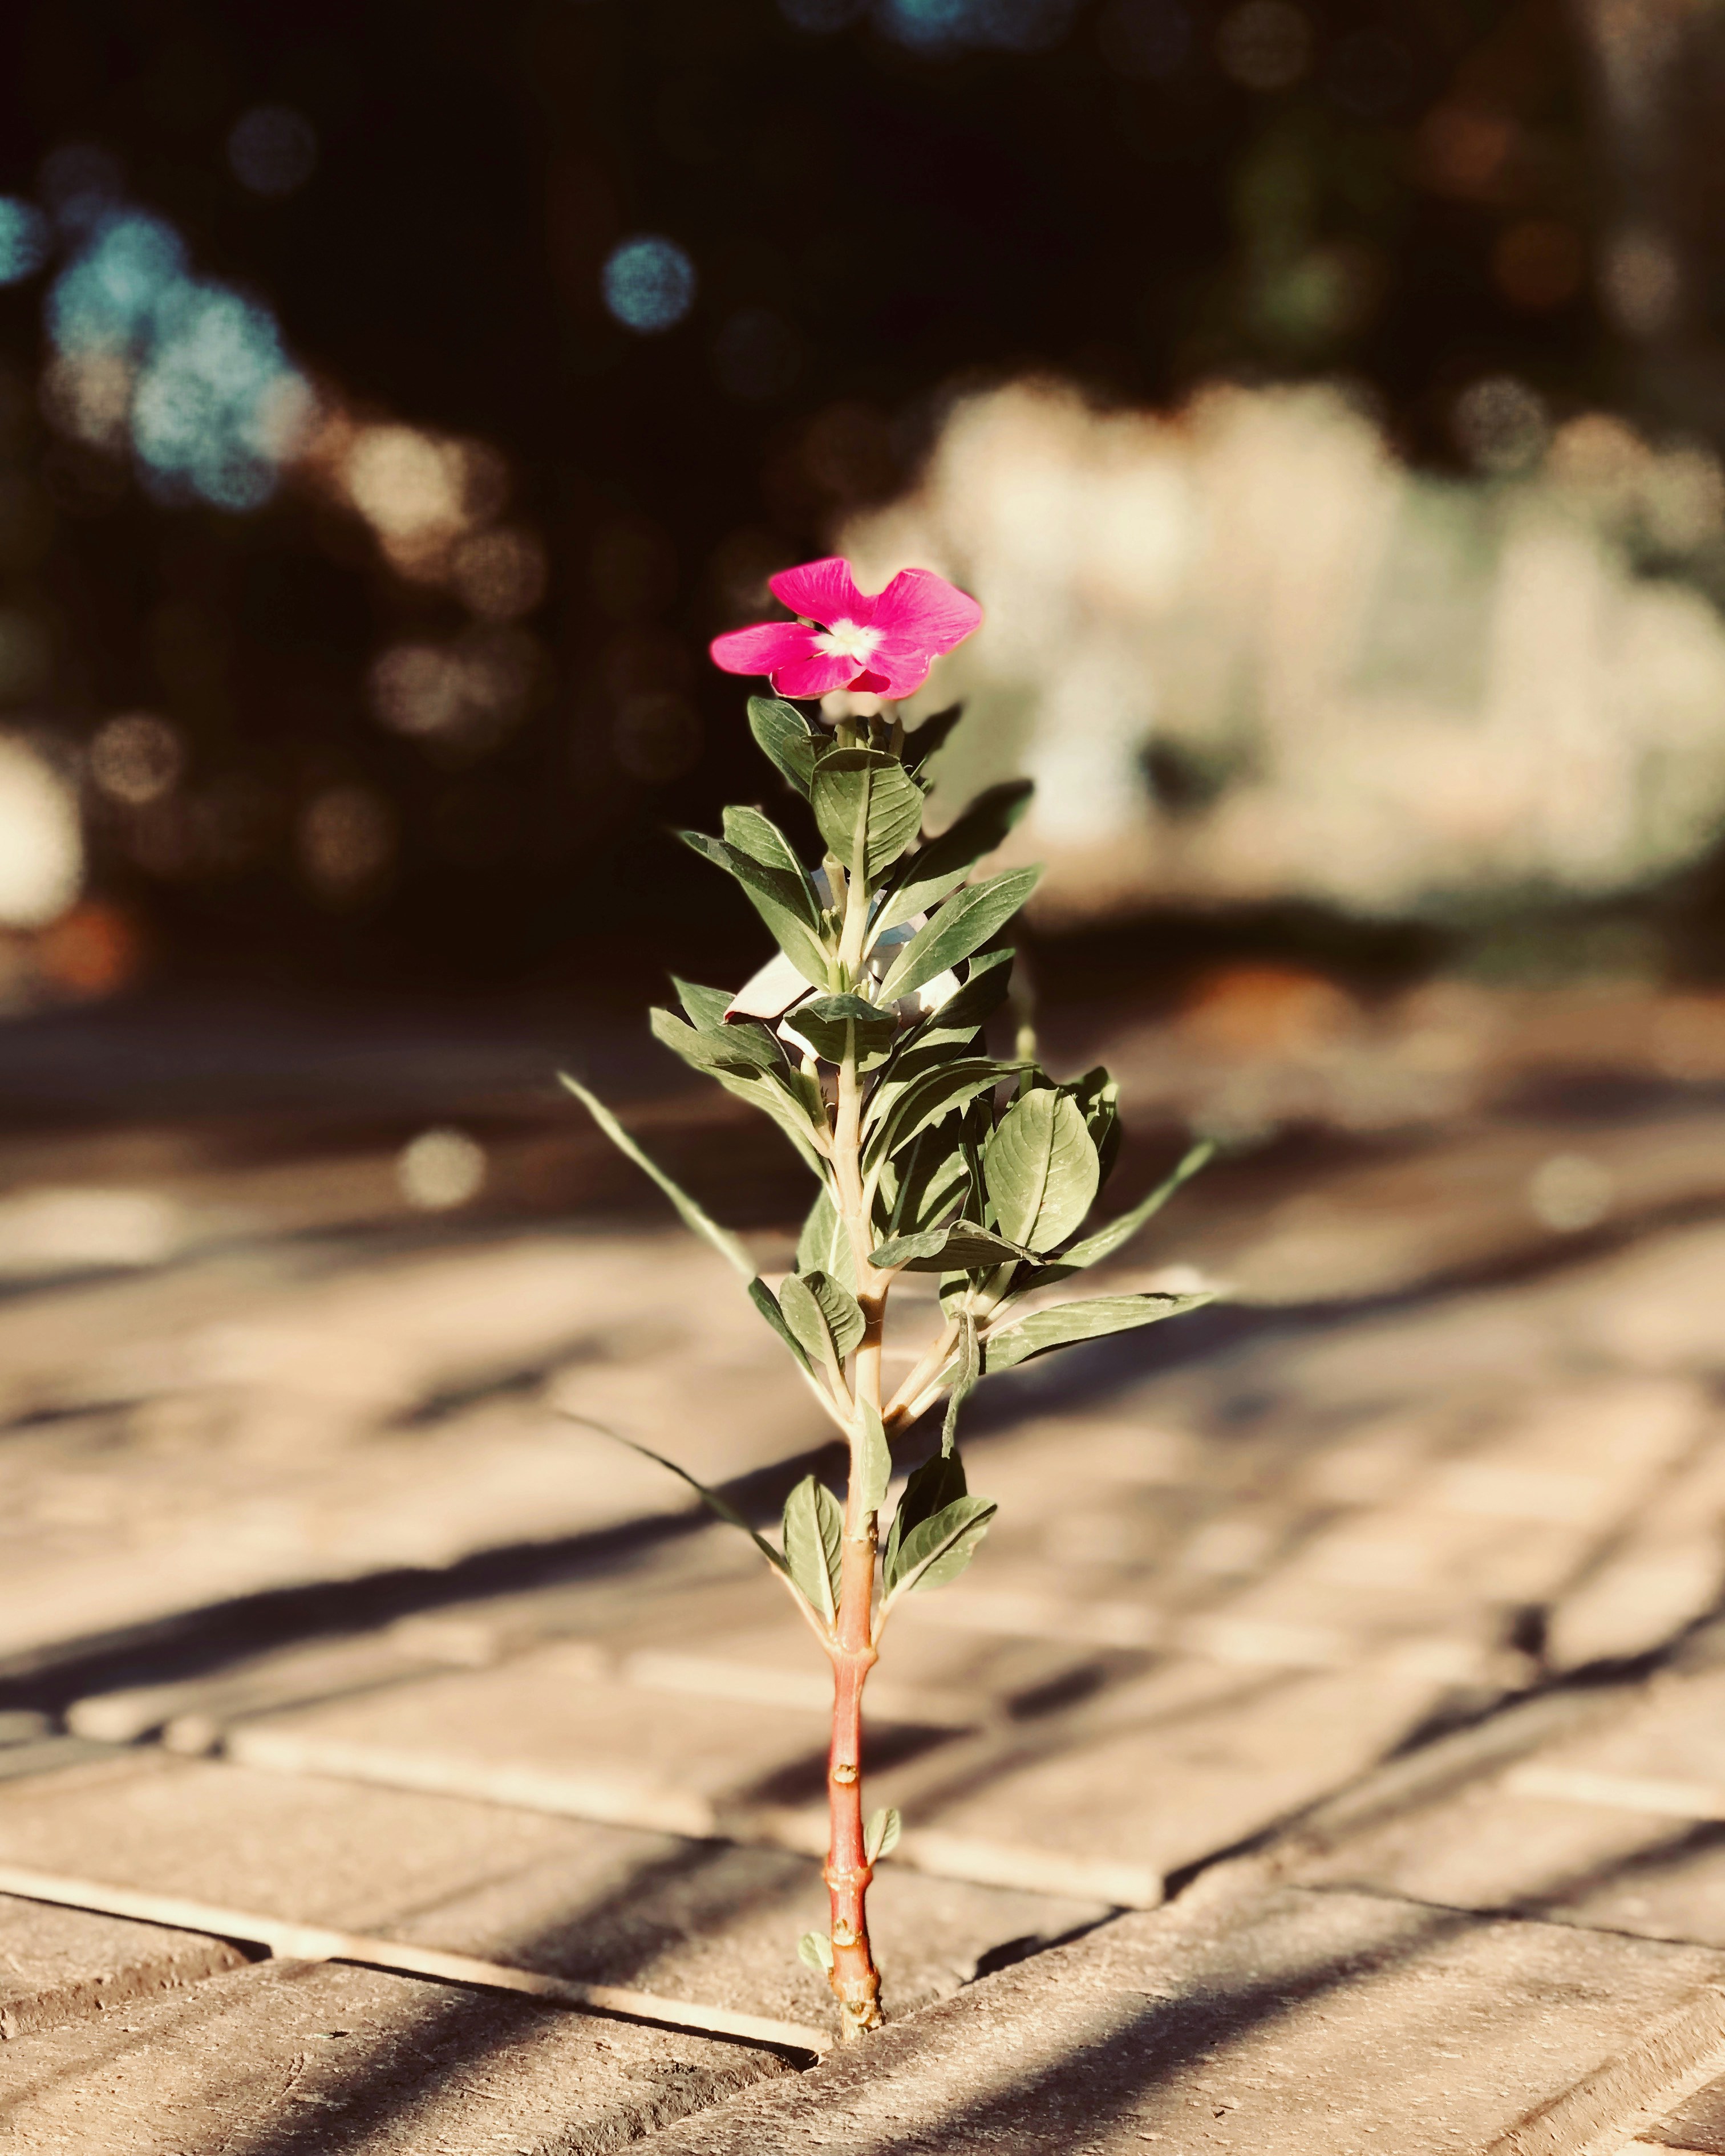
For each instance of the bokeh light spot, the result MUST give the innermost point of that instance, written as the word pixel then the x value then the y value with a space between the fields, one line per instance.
pixel 1265 45
pixel 41 843
pixel 1501 423
pixel 1569 1193
pixel 440 1169
pixel 346 841
pixel 137 758
pixel 24 239
pixel 648 284
pixel 273 150
pixel 499 575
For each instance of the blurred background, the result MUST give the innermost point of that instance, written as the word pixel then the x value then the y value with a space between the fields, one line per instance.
pixel 1324 401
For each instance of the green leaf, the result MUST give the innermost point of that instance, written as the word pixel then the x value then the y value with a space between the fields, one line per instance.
pixel 689 1212
pixel 814 1539
pixel 760 838
pixel 925 1099
pixel 767 1303
pixel 935 1552
pixel 932 1487
pixel 824 1021
pixel 786 738
pixel 816 1948
pixel 706 1007
pixel 825 1244
pixel 965 1379
pixel 778 1094
pixel 880 1835
pixel 931 736
pixel 1041 1169
pixel 1098 1098
pixel 780 899
pixel 960 1243
pixel 963 924
pixel 867 808
pixel 711 1498
pixel 943 865
pixel 927 1183
pixel 744 1047
pixel 824 1316
pixel 876 1463
pixel 1069 1321
pixel 1119 1232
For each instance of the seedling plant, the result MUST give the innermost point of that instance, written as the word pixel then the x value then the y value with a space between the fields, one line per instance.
pixel 864 1040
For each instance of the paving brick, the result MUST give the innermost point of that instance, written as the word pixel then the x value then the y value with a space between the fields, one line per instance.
pixel 703 1922
pixel 297 2059
pixel 1336 2023
pixel 66 1964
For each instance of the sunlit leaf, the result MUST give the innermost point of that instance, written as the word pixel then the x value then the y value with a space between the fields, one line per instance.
pixel 760 838
pixel 785 737
pixel 960 1243
pixel 943 865
pixel 814 1542
pixel 744 1047
pixel 876 1459
pixel 780 899
pixel 722 1240
pixel 1098 1098
pixel 822 1314
pixel 963 924
pixel 825 1244
pixel 1069 1321
pixel 816 1948
pixel 705 1007
pixel 928 1181
pixel 926 1098
pixel 935 1552
pixel 933 1486
pixel 1118 1232
pixel 829 1023
pixel 767 1303
pixel 867 808
pixel 880 1835
pixel 1041 1169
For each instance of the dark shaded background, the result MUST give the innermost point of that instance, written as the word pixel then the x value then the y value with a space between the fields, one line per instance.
pixel 878 214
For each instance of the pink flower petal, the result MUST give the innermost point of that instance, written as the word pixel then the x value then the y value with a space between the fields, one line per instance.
pixel 898 667
pixel 767 645
pixel 921 607
pixel 813 675
pixel 824 591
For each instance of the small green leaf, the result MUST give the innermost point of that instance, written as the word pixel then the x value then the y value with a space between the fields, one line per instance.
pixel 1118 1232
pixel 825 1244
pixel 932 734
pixel 932 1487
pixel 867 808
pixel 814 1539
pixel 767 1303
pixel 927 1182
pixel 1098 1098
pixel 907 1110
pixel 935 1552
pixel 781 900
pixel 724 1243
pixel 965 1379
pixel 822 1314
pixel 963 924
pixel 786 738
pixel 816 1948
pixel 743 1047
pixel 880 1835
pixel 705 1007
pixel 943 864
pixel 1041 1169
pixel 826 1023
pixel 876 1462
pixel 1069 1321
pixel 960 1243
pixel 760 838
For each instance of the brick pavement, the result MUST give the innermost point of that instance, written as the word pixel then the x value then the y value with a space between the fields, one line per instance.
pixel 1302 1621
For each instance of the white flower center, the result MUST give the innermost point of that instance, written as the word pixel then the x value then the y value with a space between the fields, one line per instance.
pixel 848 639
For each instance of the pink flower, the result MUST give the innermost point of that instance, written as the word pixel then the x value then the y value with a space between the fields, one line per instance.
pixel 882 641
